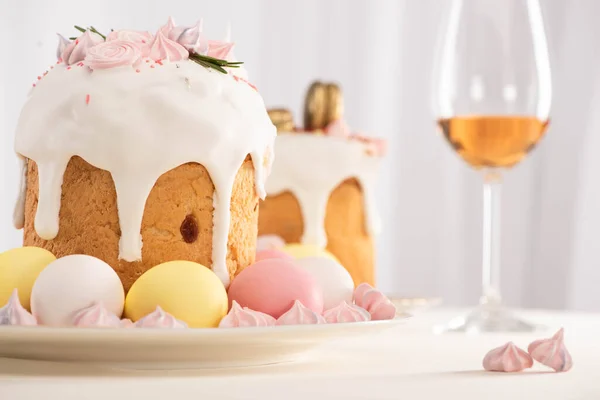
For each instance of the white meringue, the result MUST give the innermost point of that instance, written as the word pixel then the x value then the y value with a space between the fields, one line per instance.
pixel 96 316
pixel 160 319
pixel 13 313
pixel 298 314
pixel 507 358
pixel 345 312
pixel 239 317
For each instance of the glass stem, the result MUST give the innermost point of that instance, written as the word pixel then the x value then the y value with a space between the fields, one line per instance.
pixel 491 239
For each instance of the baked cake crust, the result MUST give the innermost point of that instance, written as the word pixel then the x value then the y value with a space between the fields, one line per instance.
pixel 347 236
pixel 89 222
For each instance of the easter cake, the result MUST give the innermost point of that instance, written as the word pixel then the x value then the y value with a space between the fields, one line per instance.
pixel 144 157
pixel 142 148
pixel 321 188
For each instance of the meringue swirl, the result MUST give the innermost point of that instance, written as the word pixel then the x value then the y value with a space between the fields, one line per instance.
pixel 141 38
pixel 165 49
pixel 375 302
pixel 96 316
pixel 552 352
pixel 507 358
pixel 13 313
pixel 78 50
pixel 219 49
pixel 160 319
pixel 298 314
pixel 239 317
pixel 115 53
pixel 345 312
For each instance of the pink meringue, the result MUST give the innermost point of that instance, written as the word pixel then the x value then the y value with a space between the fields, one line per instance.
pixel 269 242
pixel 168 27
pixel 142 39
pixel 13 313
pixel 160 319
pixel 115 53
pixel 239 317
pixel 507 358
pixel 127 323
pixel 77 50
pixel 373 146
pixel 219 49
pixel 345 312
pixel 552 352
pixel 338 128
pixel 96 316
pixel 165 49
pixel 298 314
pixel 375 302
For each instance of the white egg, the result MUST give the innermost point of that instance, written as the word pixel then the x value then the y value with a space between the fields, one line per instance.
pixel 72 283
pixel 335 280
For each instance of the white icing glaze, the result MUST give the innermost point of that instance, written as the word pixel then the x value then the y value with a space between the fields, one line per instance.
pixel 311 166
pixel 19 210
pixel 137 126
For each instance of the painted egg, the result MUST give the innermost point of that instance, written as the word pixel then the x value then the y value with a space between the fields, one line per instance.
pixel 188 291
pixel 72 283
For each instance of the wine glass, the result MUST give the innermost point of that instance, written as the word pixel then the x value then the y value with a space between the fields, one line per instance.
pixel 492 95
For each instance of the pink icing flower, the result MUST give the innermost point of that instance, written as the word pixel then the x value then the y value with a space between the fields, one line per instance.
pixel 338 128
pixel 552 352
pixel 164 49
pixel 298 314
pixel 375 302
pixel 345 312
pixel 13 313
pixel 77 51
pixel 160 319
pixel 115 53
pixel 239 317
pixel 507 358
pixel 141 38
pixel 96 316
pixel 219 49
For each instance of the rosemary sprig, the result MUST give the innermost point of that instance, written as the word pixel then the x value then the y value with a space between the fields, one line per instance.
pixel 91 29
pixel 214 63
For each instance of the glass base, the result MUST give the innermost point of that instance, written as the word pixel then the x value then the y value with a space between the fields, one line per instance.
pixel 488 318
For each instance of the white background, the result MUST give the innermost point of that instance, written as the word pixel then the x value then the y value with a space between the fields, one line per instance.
pixel 381 52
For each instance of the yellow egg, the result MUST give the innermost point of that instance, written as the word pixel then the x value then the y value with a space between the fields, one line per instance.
pixel 19 268
pixel 187 290
pixel 298 250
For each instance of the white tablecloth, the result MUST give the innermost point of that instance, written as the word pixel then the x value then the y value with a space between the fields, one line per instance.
pixel 404 363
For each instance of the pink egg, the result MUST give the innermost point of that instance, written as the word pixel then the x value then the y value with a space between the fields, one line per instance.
pixel 273 285
pixel 272 253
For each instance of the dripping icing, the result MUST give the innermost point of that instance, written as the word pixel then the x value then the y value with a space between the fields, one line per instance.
pixel 311 167
pixel 19 210
pixel 216 122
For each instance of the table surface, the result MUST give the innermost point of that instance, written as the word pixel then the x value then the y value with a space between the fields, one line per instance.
pixel 407 362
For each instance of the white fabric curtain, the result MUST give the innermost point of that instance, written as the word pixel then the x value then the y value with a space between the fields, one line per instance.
pixel 381 52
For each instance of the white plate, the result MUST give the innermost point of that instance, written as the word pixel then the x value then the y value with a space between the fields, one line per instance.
pixel 177 349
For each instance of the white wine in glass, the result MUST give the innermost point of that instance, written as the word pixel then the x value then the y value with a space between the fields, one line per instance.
pixel 492 95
